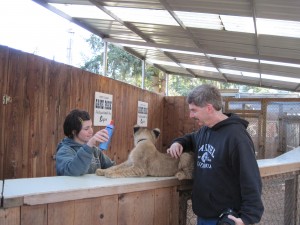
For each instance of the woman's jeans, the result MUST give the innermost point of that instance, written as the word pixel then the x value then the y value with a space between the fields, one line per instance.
pixel 201 221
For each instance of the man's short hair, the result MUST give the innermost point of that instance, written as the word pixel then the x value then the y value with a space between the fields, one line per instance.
pixel 205 94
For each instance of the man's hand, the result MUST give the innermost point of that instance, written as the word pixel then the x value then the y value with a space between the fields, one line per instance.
pixel 237 221
pixel 175 150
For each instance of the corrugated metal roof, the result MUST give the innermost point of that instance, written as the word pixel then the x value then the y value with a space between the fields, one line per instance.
pixel 247 42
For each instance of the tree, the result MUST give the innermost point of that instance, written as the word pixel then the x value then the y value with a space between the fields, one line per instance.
pixel 94 63
pixel 123 66
pixel 120 64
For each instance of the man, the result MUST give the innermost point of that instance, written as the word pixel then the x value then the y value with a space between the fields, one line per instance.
pixel 226 173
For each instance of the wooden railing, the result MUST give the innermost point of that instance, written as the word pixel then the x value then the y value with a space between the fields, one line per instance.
pixel 280 177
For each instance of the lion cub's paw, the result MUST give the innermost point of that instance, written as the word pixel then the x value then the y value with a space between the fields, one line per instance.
pixel 112 174
pixel 100 172
pixel 180 175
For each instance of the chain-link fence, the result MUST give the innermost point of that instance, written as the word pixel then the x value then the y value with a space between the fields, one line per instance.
pixel 274 125
pixel 280 197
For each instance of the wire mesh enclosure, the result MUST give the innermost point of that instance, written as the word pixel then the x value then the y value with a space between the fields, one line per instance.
pixel 274 124
pixel 280 196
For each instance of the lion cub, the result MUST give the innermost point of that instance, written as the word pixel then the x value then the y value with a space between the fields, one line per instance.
pixel 145 160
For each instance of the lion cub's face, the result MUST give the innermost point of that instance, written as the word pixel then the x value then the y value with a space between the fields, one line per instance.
pixel 143 133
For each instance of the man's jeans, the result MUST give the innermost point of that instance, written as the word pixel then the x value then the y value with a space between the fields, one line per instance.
pixel 201 221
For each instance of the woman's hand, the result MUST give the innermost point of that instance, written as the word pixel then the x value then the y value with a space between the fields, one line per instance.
pixel 175 150
pixel 100 136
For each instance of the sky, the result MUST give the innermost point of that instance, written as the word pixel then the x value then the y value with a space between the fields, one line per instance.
pixel 27 26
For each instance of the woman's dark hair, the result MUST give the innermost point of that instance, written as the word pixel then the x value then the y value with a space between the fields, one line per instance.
pixel 73 122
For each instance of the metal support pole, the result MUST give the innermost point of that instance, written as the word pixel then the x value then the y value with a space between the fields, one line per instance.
pixel 167 84
pixel 143 74
pixel 105 59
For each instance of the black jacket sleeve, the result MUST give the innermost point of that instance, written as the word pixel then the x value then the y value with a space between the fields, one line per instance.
pixel 187 142
pixel 246 168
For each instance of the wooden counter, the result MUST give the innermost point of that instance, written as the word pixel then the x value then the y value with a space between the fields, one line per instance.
pixel 33 191
pixel 90 199
pixel 285 163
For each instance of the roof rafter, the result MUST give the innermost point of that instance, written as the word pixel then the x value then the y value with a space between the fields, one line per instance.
pixel 189 33
pixel 101 5
pixel 194 40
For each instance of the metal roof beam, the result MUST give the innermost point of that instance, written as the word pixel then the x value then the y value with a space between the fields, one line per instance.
pixel 128 25
pixel 101 5
pixel 69 18
pixel 189 33
pixel 256 38
pixel 213 52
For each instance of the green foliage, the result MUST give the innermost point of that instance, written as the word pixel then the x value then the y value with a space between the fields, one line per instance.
pixel 123 66
pixel 181 86
pixel 120 64
pixel 94 64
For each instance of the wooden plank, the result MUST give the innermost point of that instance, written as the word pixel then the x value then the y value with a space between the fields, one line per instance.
pixel 35 116
pixel 2 216
pixel 104 210
pixel 54 117
pixel 169 119
pixel 13 202
pixel 10 216
pixel 95 211
pixel 121 130
pixel 166 206
pixel 62 84
pixel 277 169
pixel 61 213
pixel 48 124
pixel 37 214
pixel 287 162
pixel 162 206
pixel 155 115
pixel 4 53
pixel 174 216
pixel 174 120
pixel 96 192
pixel 82 212
pixel 15 115
pixel 136 208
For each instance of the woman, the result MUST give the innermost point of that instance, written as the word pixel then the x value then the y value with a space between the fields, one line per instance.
pixel 77 153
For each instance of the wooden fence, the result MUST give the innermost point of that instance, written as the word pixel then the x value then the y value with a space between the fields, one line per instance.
pixel 38 93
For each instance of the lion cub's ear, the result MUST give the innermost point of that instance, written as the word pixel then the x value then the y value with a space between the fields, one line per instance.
pixel 156 132
pixel 136 128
